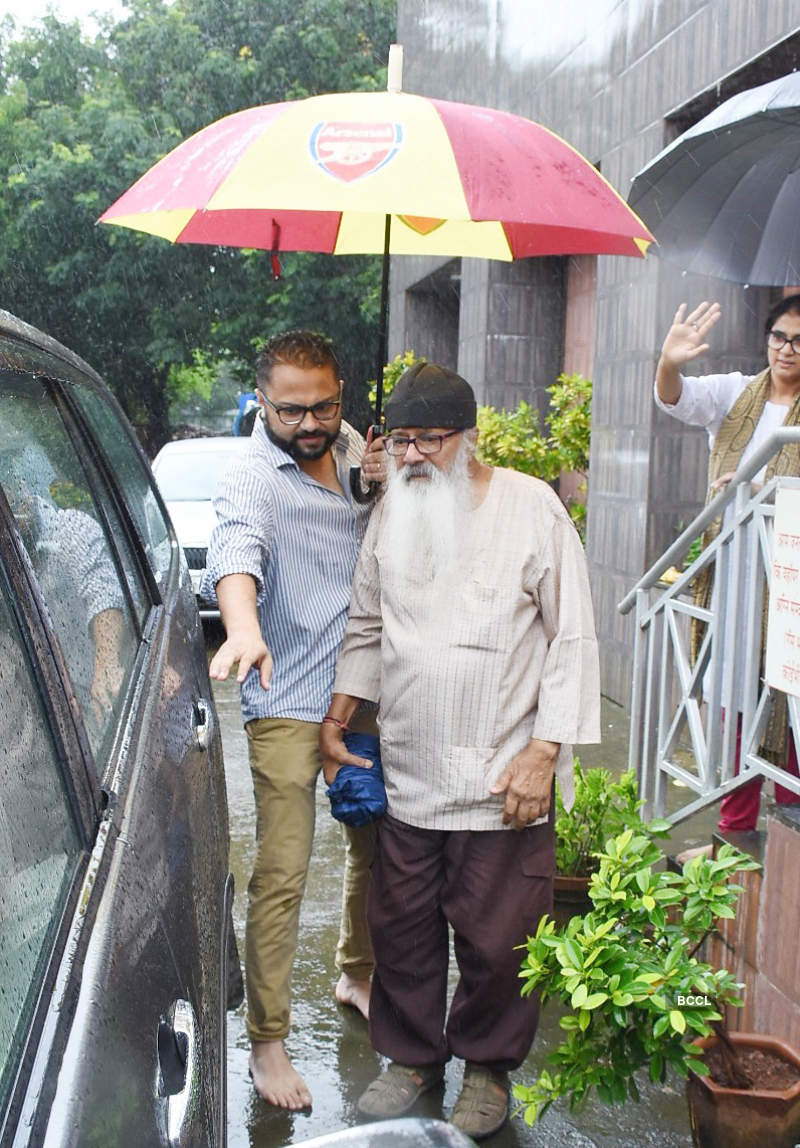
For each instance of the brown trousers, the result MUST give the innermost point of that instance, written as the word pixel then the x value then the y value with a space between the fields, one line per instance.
pixel 492 887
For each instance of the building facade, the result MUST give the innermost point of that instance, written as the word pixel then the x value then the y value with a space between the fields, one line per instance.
pixel 618 79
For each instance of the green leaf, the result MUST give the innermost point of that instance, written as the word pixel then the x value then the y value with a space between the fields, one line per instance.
pixel 605 1093
pixel 673 957
pixel 573 952
pixel 661 1026
pixel 594 1000
pixel 624 840
pixel 698 1023
pixel 677 1020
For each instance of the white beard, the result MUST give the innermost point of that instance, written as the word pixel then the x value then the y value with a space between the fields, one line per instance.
pixel 425 521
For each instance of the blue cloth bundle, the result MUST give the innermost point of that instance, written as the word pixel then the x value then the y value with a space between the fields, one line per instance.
pixel 358 795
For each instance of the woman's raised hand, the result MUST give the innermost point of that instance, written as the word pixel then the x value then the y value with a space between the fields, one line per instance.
pixel 686 337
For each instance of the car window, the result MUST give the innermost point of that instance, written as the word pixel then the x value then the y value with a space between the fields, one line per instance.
pixel 93 593
pixel 191 476
pixel 133 477
pixel 39 842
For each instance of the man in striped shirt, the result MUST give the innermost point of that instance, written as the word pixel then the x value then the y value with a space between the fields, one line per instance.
pixel 471 623
pixel 281 560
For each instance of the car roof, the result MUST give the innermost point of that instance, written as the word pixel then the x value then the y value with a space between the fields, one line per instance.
pixel 16 328
pixel 206 445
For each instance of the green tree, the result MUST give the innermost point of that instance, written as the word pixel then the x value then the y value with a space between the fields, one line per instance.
pixel 81 119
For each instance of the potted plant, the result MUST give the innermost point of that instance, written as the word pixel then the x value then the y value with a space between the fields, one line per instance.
pixel 604 806
pixel 638 997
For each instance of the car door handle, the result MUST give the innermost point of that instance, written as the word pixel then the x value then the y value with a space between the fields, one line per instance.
pixel 203 721
pixel 179 1072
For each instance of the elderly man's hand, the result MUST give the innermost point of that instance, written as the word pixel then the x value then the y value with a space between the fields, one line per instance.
pixel 527 782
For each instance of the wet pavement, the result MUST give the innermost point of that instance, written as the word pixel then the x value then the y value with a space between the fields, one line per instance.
pixel 329 1043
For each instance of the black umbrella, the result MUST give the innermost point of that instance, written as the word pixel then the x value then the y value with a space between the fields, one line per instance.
pixel 724 198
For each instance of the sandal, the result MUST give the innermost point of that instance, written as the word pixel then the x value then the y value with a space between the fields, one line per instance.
pixel 482 1108
pixel 397 1089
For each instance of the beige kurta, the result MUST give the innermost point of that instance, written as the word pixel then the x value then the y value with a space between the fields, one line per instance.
pixel 468 674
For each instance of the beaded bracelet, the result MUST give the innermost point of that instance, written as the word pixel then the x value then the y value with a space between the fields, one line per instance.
pixel 335 721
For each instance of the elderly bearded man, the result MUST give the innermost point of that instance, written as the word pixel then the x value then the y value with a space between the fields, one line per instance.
pixel 471 622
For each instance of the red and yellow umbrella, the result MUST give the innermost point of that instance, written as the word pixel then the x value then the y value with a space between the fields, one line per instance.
pixel 322 174
pixel 356 173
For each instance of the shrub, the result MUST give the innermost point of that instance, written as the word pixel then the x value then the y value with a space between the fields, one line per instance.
pixel 514 438
pixel 604 807
pixel 391 373
pixel 626 969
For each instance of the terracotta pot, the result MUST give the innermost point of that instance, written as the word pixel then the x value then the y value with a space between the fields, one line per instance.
pixel 739 1118
pixel 570 898
pixel 571 889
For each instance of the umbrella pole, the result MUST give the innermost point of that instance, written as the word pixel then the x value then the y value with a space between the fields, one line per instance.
pixel 358 492
pixel 383 321
pixel 394 83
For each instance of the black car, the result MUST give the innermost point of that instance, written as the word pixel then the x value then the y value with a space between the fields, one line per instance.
pixel 115 891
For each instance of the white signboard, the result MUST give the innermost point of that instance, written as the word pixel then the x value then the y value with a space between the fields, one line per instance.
pixel 783 626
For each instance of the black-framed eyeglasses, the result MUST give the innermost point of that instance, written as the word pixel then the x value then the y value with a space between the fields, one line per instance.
pixel 291 415
pixel 777 340
pixel 398 444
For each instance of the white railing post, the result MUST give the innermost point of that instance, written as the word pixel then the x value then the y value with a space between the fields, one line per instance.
pixel 665 694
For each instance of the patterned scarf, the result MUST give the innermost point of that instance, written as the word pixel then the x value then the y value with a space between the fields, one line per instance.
pixel 735 433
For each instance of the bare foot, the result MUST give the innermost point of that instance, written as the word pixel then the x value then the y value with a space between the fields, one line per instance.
pixel 275 1079
pixel 690 854
pixel 355 993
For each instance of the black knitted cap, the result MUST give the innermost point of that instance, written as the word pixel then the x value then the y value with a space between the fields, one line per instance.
pixel 427 395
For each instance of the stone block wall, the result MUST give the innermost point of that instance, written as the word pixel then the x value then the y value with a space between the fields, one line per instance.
pixel 760 945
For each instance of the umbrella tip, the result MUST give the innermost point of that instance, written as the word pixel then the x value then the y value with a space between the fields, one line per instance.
pixel 394 73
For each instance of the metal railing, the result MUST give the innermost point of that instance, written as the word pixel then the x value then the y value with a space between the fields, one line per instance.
pixel 678 707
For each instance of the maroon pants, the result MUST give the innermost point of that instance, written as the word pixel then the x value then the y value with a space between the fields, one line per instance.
pixel 739 809
pixel 491 887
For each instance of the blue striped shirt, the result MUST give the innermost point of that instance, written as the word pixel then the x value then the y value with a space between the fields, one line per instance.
pixel 300 541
